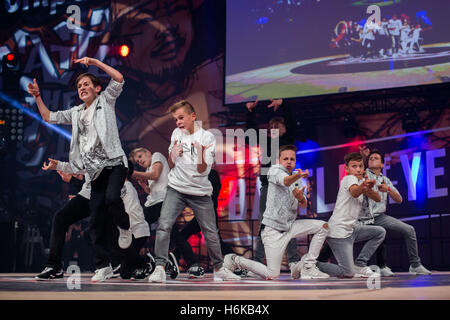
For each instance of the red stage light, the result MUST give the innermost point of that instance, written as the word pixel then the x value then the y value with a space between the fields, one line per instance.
pixel 10 57
pixel 124 50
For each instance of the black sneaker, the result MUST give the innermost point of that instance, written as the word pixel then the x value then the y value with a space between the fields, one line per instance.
pixel 50 273
pixel 151 264
pixel 116 272
pixel 196 271
pixel 241 272
pixel 172 266
pixel 139 274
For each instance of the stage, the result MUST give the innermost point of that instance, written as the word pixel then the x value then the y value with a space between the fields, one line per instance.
pixel 402 286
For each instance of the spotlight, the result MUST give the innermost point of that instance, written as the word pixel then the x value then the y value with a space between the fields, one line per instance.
pixel 9 61
pixel 350 128
pixel 410 122
pixel 124 50
pixel 11 124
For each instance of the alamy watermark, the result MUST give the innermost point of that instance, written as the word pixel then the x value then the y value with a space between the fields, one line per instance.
pixel 74 279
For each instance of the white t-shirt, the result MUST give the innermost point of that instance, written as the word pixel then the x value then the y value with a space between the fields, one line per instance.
pixel 184 176
pixel 158 188
pixel 90 140
pixel 346 210
pixel 138 226
pixel 395 25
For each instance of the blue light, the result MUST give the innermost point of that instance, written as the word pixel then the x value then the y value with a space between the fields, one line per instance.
pixel 415 168
pixel 263 20
pixel 16 104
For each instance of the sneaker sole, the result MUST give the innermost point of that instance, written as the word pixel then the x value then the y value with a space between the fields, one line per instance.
pixel 48 279
pixel 174 260
pixel 313 278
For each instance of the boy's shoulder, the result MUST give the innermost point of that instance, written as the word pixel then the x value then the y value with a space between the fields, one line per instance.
pixel 349 180
pixel 276 169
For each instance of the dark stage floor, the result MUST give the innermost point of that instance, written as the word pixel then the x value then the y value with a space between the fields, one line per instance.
pixel 400 287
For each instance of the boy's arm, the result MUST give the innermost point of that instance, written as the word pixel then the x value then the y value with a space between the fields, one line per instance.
pixel 33 89
pixel 391 190
pixel 365 188
pixel 288 180
pixel 113 73
pixel 154 174
pixel 299 194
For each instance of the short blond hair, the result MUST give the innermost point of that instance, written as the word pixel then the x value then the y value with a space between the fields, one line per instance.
pixel 182 104
pixel 134 151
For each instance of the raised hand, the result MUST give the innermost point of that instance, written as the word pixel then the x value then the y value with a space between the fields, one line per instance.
pixel 52 164
pixel 275 103
pixel 86 61
pixel 33 88
pixel 251 105
pixel 364 151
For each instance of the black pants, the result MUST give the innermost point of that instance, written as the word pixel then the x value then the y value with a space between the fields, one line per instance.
pixel 182 246
pixel 75 210
pixel 326 254
pixel 130 258
pixel 107 211
pixel 192 227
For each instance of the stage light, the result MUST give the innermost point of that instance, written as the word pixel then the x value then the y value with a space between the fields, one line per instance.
pixel 350 128
pixel 410 122
pixel 9 61
pixel 124 50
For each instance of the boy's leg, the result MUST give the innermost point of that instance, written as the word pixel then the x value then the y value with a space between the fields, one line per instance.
pixel 113 202
pixel 152 213
pixel 343 252
pixel 259 247
pixel 409 234
pixel 97 221
pixel 381 255
pixel 75 210
pixel 173 205
pixel 308 226
pixel 374 235
pixel 325 253
pixel 204 213
pixel 275 243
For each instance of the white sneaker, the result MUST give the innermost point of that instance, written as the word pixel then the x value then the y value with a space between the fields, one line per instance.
pixel 312 272
pixel 296 269
pixel 159 275
pixel 225 275
pixel 229 262
pixel 420 270
pixel 365 272
pixel 386 272
pixel 125 238
pixel 102 274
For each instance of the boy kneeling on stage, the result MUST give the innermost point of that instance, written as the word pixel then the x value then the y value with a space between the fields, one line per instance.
pixel 279 224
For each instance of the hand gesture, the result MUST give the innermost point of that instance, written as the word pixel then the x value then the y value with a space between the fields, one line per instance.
pixel 51 165
pixel 364 151
pixel 33 88
pixel 251 105
pixel 64 176
pixel 144 185
pixel 299 194
pixel 369 183
pixel 383 187
pixel 301 173
pixel 86 61
pixel 275 104
pixel 177 150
